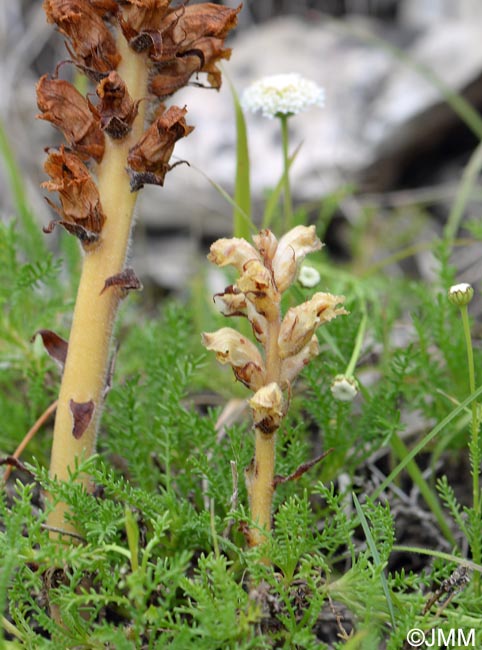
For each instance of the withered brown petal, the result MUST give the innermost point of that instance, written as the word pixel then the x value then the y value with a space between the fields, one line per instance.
pixel 92 43
pixel 63 106
pixel 184 26
pixel 55 345
pixel 85 236
pixel 150 156
pixel 126 280
pixel 82 413
pixel 175 74
pixel 78 193
pixel 116 109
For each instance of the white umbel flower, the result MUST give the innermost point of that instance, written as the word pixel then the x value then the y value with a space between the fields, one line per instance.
pixel 282 94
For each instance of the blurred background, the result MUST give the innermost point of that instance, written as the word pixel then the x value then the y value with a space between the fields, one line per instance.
pixel 392 140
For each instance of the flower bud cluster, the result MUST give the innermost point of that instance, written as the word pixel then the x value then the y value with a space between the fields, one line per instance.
pixel 267 270
pixel 176 42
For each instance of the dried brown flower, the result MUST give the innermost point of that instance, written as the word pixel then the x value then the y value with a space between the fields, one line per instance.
pixel 116 110
pixel 80 209
pixel 63 106
pixel 203 58
pixel 93 46
pixel 140 22
pixel 149 159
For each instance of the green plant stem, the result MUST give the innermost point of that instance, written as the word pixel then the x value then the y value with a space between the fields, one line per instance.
pixel 431 500
pixel 288 206
pixel 475 454
pixel 95 310
pixel 360 335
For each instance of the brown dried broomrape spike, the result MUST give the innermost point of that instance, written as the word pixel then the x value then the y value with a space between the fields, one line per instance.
pixel 80 203
pixel 149 159
pixel 93 46
pixel 63 106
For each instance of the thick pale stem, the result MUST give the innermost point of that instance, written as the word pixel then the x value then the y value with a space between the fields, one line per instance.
pixel 261 480
pixel 89 342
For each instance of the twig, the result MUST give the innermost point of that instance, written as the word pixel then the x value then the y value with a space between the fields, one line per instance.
pixel 28 437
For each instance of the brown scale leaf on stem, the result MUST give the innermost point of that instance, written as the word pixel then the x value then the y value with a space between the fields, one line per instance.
pixel 126 281
pixel 149 159
pixel 116 111
pixel 63 106
pixel 82 413
pixel 81 210
pixel 55 345
pixel 92 44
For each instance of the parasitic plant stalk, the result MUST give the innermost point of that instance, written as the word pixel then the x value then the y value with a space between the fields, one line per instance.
pixel 135 52
pixel 288 343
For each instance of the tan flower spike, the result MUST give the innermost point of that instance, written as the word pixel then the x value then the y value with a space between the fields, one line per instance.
pixel 265 273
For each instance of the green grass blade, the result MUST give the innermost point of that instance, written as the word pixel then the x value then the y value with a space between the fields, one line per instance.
pixel 428 438
pixel 242 187
pixel 33 242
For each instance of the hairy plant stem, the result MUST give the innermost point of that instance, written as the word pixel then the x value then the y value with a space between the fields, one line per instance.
pixel 89 342
pixel 262 479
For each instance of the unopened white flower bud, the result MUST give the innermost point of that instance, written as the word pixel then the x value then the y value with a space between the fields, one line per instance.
pixel 461 294
pixel 308 276
pixel 344 389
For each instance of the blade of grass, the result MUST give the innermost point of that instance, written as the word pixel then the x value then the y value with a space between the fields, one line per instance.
pixel 376 556
pixel 440 554
pixel 242 187
pixel 34 242
pixel 428 438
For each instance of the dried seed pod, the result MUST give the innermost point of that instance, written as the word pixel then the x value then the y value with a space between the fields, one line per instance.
pixel 92 45
pixel 79 197
pixel 149 159
pixel 63 106
pixel 116 110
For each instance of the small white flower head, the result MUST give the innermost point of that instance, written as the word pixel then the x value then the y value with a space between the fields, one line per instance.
pixel 344 389
pixel 282 94
pixel 308 276
pixel 461 294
